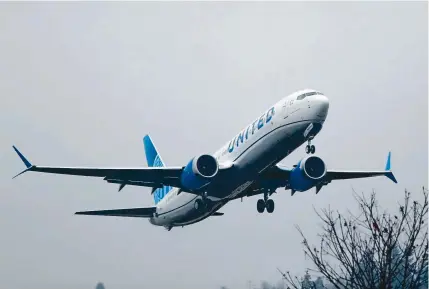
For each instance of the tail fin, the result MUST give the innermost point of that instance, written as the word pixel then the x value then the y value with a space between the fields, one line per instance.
pixel 154 160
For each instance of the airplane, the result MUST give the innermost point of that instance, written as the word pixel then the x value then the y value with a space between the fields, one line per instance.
pixel 245 166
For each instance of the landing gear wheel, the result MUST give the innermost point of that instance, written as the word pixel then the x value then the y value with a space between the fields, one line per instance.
pixel 260 206
pixel 307 149
pixel 310 149
pixel 270 206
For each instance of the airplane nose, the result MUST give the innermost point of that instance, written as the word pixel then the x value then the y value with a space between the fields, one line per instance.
pixel 320 103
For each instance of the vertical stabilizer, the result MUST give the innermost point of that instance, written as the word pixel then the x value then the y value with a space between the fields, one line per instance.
pixel 154 159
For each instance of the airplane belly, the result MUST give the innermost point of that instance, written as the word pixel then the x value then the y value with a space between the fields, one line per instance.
pixel 264 152
pixel 182 212
pixel 193 216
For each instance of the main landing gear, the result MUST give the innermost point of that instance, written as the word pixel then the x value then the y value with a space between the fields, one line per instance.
pixel 198 205
pixel 265 203
pixel 310 149
pixel 202 204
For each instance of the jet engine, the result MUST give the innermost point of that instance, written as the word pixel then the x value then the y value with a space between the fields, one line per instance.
pixel 307 173
pixel 199 172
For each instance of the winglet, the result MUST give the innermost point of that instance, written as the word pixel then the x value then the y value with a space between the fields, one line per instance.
pixel 26 170
pixel 389 173
pixel 24 160
pixel 388 162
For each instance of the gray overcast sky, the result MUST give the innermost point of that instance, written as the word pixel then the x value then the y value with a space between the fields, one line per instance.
pixel 81 83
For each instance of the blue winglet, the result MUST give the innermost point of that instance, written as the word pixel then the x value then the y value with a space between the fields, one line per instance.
pixel 389 173
pixel 24 160
pixel 388 162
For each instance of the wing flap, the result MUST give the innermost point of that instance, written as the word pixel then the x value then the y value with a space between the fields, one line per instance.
pixel 133 212
pixel 134 183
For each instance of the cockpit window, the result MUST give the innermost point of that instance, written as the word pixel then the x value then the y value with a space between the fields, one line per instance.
pixel 302 96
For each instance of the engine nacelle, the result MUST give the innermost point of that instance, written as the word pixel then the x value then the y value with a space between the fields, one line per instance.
pixel 308 172
pixel 199 172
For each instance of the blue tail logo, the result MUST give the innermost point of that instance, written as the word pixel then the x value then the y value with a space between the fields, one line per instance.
pixel 154 160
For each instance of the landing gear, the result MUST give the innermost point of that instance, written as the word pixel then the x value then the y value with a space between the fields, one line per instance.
pixel 310 149
pixel 198 205
pixel 260 206
pixel 202 204
pixel 265 203
pixel 270 206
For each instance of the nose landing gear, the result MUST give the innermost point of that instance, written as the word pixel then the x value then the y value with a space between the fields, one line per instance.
pixel 265 203
pixel 310 149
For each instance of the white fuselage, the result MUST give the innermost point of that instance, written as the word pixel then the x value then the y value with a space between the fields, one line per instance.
pixel 263 143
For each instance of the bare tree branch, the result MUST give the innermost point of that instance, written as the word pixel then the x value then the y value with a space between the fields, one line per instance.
pixel 372 249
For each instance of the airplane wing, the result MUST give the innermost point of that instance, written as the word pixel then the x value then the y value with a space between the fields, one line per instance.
pixel 278 176
pixel 146 176
pixel 134 212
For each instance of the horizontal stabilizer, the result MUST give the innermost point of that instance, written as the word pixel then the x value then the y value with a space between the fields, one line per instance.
pixel 134 212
